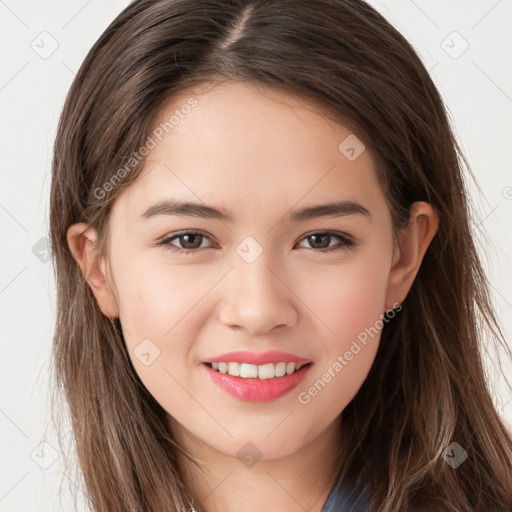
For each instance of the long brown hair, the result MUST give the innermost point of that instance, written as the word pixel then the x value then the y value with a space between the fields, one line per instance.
pixel 427 387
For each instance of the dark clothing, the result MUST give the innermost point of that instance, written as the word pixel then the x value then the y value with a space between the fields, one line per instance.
pixel 344 498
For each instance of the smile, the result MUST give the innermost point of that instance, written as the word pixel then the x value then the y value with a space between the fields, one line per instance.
pixel 256 389
pixel 252 371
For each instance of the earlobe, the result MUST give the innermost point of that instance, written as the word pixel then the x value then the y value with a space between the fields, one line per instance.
pixel 414 240
pixel 82 242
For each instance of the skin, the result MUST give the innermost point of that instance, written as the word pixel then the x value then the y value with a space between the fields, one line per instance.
pixel 259 154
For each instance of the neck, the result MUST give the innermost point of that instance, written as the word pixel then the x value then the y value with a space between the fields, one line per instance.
pixel 299 481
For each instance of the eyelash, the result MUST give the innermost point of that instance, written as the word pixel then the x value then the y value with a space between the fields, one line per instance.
pixel 346 243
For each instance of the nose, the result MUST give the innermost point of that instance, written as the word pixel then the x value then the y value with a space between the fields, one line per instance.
pixel 257 298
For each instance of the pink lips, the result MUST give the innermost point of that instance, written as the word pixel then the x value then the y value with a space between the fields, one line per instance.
pixel 257 390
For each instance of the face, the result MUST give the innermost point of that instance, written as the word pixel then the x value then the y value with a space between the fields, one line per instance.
pixel 247 271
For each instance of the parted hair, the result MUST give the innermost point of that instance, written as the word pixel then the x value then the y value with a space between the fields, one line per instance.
pixel 427 387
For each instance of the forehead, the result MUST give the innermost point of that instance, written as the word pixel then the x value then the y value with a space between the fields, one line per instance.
pixel 241 146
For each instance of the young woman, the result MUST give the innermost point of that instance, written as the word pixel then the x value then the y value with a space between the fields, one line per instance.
pixel 268 292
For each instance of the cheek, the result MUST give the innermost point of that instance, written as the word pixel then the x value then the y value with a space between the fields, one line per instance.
pixel 347 298
pixel 156 299
pixel 349 350
pixel 159 314
pixel 349 301
pixel 162 311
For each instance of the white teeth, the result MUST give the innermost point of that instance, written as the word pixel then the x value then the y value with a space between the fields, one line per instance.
pixel 252 371
pixel 290 368
pixel 248 371
pixel 266 371
pixel 234 369
pixel 280 369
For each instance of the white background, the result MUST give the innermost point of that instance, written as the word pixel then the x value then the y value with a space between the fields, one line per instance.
pixel 476 86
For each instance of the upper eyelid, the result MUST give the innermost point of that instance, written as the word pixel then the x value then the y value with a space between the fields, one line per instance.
pixel 187 232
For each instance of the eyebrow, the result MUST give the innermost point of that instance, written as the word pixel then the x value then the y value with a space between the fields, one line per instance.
pixel 190 209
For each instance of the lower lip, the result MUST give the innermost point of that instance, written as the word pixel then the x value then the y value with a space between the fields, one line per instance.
pixel 257 390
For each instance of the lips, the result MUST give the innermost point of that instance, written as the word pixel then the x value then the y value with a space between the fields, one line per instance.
pixel 258 358
pixel 256 390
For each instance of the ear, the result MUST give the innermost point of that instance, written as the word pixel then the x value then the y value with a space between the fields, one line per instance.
pixel 414 240
pixel 82 244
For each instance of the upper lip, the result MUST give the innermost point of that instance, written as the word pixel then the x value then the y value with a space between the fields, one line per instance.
pixel 258 358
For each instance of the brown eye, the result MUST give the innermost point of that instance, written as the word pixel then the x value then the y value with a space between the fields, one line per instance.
pixel 190 241
pixel 321 241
